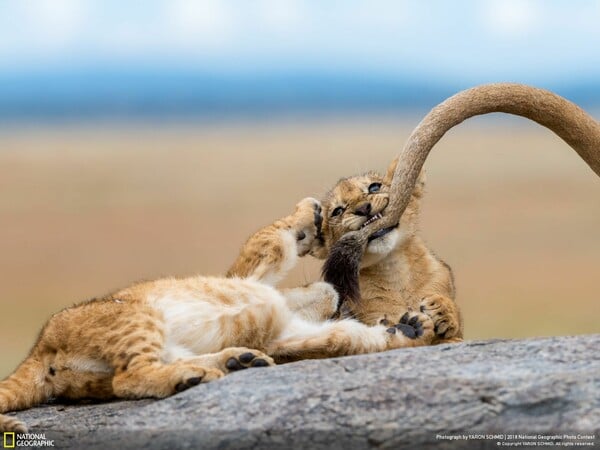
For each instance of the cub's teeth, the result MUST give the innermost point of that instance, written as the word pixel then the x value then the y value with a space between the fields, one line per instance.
pixel 372 219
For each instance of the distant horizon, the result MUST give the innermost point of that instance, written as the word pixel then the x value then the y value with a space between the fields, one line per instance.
pixel 147 94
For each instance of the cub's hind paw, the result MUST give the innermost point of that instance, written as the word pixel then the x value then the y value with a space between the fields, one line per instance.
pixel 444 313
pixel 243 358
pixel 414 326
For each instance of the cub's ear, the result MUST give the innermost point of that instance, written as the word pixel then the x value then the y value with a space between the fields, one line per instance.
pixel 390 171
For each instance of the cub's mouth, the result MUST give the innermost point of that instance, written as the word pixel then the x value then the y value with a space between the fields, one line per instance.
pixel 378 233
pixel 371 219
pixel 382 232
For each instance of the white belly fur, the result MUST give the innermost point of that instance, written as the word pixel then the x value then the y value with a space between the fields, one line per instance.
pixel 193 319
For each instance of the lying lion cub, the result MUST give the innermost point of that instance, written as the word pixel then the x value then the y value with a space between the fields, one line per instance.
pixel 156 338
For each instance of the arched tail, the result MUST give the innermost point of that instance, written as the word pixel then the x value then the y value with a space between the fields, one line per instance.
pixel 21 390
pixel 567 120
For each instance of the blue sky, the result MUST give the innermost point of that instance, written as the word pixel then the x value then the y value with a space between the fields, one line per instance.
pixel 475 40
pixel 459 43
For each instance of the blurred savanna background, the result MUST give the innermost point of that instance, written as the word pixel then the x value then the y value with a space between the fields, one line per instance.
pixel 141 139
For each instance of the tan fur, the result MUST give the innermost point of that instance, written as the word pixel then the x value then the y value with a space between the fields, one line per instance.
pixel 398 273
pixel 156 338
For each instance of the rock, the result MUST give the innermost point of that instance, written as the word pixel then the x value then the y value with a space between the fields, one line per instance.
pixel 412 398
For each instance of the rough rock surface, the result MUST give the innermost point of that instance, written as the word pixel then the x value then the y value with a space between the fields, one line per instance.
pixel 398 399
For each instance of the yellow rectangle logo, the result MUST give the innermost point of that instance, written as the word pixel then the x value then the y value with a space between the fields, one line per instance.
pixel 9 443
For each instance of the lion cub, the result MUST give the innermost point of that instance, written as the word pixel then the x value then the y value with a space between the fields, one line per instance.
pixel 397 273
pixel 157 338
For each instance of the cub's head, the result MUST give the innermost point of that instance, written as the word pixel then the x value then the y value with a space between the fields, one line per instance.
pixel 357 201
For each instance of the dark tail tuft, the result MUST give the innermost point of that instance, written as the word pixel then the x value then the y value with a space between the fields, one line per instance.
pixel 342 266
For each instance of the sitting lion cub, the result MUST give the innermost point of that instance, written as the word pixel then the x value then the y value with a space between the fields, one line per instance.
pixel 397 273
pixel 156 338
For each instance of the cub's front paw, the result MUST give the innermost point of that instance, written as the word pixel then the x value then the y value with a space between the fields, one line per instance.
pixel 307 224
pixel 444 313
pixel 414 326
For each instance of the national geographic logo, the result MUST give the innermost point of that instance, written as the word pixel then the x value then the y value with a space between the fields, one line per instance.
pixel 13 440
pixel 9 440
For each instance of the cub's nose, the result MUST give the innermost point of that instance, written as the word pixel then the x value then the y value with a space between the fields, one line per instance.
pixel 363 210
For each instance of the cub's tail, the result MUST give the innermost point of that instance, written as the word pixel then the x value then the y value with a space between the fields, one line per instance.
pixel 25 388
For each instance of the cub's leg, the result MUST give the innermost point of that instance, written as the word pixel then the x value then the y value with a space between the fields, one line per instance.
pixel 23 389
pixel 315 302
pixel 233 359
pixel 446 318
pixel 306 340
pixel 272 251
pixel 145 376
pixel 138 369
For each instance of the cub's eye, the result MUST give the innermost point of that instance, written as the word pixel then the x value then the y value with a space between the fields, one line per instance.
pixel 337 211
pixel 374 187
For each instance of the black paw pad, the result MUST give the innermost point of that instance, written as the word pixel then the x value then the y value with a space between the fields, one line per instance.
pixel 391 330
pixel 410 327
pixel 259 362
pixel 182 386
pixel 407 330
pixel 318 219
pixel 194 381
pixel 233 364
pixel 246 357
